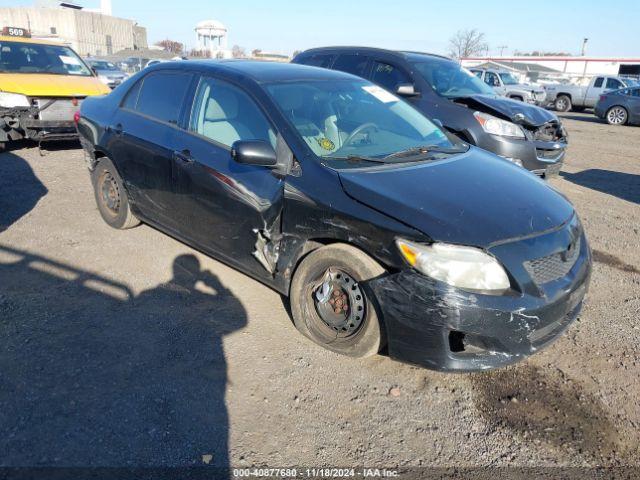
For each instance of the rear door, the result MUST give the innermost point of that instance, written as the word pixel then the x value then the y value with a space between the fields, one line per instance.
pixel 225 207
pixel 141 141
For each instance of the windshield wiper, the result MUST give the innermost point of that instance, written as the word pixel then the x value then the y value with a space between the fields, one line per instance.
pixel 424 150
pixel 358 158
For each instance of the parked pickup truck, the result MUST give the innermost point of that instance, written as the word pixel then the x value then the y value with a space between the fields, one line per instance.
pixel 576 97
pixel 507 85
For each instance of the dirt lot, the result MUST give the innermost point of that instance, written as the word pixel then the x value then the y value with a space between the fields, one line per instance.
pixel 129 348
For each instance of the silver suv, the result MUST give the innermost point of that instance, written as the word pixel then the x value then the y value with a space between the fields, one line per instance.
pixel 506 84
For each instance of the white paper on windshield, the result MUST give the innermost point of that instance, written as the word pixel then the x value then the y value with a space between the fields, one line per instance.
pixel 380 93
pixel 69 60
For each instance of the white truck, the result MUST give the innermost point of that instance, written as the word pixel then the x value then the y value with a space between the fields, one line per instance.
pixel 577 97
pixel 506 84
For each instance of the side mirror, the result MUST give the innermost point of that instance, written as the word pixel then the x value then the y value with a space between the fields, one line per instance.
pixel 406 90
pixel 254 152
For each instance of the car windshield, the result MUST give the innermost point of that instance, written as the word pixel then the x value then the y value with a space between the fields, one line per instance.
pixel 102 65
pixel 18 57
pixel 450 80
pixel 353 118
pixel 508 79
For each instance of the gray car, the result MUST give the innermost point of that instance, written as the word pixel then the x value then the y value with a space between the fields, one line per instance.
pixel 620 107
pixel 107 72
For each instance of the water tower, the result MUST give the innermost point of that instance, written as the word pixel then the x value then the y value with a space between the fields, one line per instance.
pixel 212 37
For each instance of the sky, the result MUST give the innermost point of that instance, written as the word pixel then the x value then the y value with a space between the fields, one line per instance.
pixel 283 26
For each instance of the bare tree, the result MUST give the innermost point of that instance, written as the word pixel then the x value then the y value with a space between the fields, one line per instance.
pixel 170 46
pixel 467 43
pixel 238 52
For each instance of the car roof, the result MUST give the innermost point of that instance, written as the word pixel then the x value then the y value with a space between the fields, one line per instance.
pixel 259 71
pixel 4 38
pixel 406 54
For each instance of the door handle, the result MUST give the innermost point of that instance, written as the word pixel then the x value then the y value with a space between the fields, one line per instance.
pixel 116 129
pixel 183 155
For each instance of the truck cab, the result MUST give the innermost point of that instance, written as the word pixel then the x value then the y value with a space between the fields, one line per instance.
pixel 42 85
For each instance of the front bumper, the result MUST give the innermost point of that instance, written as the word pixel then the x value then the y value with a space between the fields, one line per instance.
pixel 442 328
pixel 20 123
pixel 545 159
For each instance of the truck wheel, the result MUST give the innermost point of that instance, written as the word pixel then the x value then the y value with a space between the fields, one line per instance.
pixel 563 103
pixel 332 307
pixel 617 115
pixel 111 197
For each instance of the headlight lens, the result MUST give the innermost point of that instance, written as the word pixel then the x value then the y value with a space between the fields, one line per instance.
pixel 463 267
pixel 497 126
pixel 11 100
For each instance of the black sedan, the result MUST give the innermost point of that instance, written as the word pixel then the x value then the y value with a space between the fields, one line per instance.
pixel 620 107
pixel 381 228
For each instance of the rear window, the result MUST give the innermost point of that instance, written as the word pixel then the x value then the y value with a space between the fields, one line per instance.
pixel 599 82
pixel 354 64
pixel 162 94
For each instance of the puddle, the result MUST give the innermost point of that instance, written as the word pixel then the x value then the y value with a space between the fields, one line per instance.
pixel 546 406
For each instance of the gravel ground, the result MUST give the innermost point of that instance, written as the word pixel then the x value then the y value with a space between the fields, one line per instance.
pixel 129 348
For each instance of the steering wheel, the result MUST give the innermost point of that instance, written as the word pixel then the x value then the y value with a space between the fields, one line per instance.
pixel 359 130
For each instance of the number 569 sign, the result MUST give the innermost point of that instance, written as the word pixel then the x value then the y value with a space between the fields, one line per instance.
pixel 15 32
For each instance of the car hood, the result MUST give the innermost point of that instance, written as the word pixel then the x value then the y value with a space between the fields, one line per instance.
pixel 47 85
pixel 512 110
pixel 472 199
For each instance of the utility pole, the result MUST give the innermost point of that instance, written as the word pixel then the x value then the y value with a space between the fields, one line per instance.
pixel 584 46
pixel 502 48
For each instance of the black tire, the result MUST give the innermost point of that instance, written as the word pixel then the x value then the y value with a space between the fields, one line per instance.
pixel 617 115
pixel 368 337
pixel 578 109
pixel 517 98
pixel 111 196
pixel 563 103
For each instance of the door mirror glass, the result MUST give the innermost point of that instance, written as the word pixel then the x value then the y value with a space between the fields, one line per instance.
pixel 406 90
pixel 254 152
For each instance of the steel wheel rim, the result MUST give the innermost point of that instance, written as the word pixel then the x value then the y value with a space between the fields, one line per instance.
pixel 109 193
pixel 617 115
pixel 561 104
pixel 339 302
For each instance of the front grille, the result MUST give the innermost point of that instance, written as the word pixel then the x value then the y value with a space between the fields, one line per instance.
pixel 549 132
pixel 552 267
pixel 59 108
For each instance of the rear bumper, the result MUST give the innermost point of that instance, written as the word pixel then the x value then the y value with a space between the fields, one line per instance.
pixel 442 328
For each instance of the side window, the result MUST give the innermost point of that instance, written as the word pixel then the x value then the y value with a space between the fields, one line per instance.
pixel 613 84
pixel 491 79
pixel 477 73
pixel 355 64
pixel 635 92
pixel 162 94
pixel 599 82
pixel 131 98
pixel 318 60
pixel 388 76
pixel 225 114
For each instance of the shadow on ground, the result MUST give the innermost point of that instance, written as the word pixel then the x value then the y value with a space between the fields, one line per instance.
pixel 622 185
pixel 20 189
pixel 589 117
pixel 91 375
pixel 546 406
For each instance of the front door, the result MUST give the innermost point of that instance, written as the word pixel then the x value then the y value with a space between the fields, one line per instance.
pixel 141 142
pixel 226 208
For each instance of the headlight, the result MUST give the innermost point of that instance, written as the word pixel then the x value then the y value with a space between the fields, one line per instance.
pixel 463 267
pixel 11 100
pixel 496 126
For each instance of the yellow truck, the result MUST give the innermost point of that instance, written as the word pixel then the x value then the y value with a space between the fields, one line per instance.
pixel 42 85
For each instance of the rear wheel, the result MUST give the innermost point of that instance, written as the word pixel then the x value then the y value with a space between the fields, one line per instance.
pixel 563 103
pixel 111 197
pixel 331 303
pixel 617 115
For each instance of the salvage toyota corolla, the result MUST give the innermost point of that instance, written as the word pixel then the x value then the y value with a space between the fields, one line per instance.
pixel 381 228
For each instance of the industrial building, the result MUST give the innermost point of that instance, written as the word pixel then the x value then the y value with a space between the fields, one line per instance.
pixel 90 32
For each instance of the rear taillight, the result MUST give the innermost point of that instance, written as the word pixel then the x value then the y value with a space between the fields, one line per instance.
pixel 76 117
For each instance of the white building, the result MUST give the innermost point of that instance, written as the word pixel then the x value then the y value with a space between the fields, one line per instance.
pixel 212 37
pixel 88 32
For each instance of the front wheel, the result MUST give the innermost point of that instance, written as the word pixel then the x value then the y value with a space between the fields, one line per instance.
pixel 563 103
pixel 617 116
pixel 111 197
pixel 331 303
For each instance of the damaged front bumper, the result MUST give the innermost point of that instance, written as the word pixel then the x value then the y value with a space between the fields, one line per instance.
pixel 434 325
pixel 46 120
